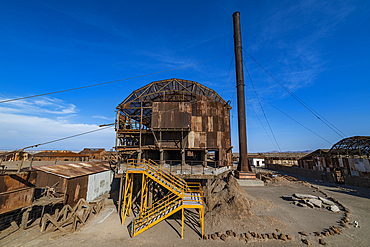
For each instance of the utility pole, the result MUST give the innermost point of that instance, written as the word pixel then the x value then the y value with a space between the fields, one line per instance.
pixel 243 165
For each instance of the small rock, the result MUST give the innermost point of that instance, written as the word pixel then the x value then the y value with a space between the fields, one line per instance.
pixel 331 232
pixel 229 232
pixel 335 230
pixel 345 226
pixel 289 237
pixel 310 204
pixel 270 236
pixel 303 233
pixel 326 234
pixel 282 237
pixel 234 234
pixel 304 196
pixel 223 237
pixel 278 230
pixel 275 235
pixel 264 236
pixel 303 205
pixel 321 241
pixel 259 236
pixel 326 201
pixel 318 234
pixel 248 235
pixel 317 203
pixel 219 234
pixel 214 236
pixel 254 234
pixel 334 208
pixel 205 237
pixel 346 219
pixel 306 241
pixel 295 203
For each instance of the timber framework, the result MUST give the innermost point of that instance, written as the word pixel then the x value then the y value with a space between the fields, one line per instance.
pixel 175 122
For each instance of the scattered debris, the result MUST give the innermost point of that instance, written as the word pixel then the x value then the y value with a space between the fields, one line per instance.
pixel 306 241
pixel 322 242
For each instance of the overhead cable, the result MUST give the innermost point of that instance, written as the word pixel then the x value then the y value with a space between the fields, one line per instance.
pixel 291 117
pixel 268 123
pixel 109 82
pixel 68 137
pixel 316 114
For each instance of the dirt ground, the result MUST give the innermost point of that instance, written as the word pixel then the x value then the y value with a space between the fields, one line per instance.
pixel 273 214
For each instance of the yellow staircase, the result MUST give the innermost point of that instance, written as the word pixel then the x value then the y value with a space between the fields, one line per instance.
pixel 182 195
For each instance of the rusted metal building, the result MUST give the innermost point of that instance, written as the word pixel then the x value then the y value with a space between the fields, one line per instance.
pixel 16 190
pixel 86 180
pixel 57 155
pixel 174 121
pixel 351 156
pixel 94 153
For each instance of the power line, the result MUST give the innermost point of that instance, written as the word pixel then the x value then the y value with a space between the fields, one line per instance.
pixel 109 82
pixel 291 117
pixel 268 123
pixel 261 123
pixel 316 114
pixel 68 137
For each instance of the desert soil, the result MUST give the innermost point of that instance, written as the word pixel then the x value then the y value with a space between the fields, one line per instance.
pixel 266 212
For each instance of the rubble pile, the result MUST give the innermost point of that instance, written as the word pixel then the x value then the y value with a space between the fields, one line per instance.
pixel 311 201
pixel 269 177
pixel 229 207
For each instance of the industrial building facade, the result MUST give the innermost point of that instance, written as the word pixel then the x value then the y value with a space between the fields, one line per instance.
pixel 174 121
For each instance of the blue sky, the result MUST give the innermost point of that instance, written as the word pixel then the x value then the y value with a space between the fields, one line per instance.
pixel 318 49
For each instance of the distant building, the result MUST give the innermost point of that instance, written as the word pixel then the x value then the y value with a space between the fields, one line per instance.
pixel 16 155
pixel 350 156
pixel 94 153
pixel 256 160
pixel 59 155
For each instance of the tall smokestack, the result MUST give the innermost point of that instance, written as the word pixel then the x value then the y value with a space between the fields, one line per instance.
pixel 242 126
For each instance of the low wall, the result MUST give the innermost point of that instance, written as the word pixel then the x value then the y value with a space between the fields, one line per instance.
pixel 326 176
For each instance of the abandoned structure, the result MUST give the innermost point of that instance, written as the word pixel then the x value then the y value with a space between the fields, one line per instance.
pixel 94 153
pixel 174 121
pixel 55 155
pixel 349 156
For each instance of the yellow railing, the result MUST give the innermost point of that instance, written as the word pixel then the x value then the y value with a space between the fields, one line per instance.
pixel 190 193
pixel 154 216
pixel 160 172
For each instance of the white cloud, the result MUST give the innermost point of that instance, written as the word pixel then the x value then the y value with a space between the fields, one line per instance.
pixel 28 122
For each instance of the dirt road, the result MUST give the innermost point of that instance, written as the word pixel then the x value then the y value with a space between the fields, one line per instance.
pixel 105 229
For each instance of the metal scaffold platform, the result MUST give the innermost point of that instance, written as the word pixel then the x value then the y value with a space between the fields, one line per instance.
pixel 181 195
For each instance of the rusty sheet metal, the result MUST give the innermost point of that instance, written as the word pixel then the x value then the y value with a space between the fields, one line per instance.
pixel 76 169
pixel 171 115
pixel 16 190
pixel 11 182
pixel 12 200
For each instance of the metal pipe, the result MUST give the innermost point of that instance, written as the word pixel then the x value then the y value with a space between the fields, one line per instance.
pixel 243 157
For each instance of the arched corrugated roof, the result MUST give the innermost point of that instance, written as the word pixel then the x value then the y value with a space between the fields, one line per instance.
pixel 165 90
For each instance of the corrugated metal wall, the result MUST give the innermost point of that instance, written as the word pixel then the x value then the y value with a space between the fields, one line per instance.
pixel 98 184
pixel 350 166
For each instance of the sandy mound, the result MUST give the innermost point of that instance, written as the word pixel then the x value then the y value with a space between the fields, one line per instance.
pixel 230 208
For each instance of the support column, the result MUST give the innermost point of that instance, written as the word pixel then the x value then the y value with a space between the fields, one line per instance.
pixel 205 158
pixel 161 160
pixel 183 157
pixel 182 223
